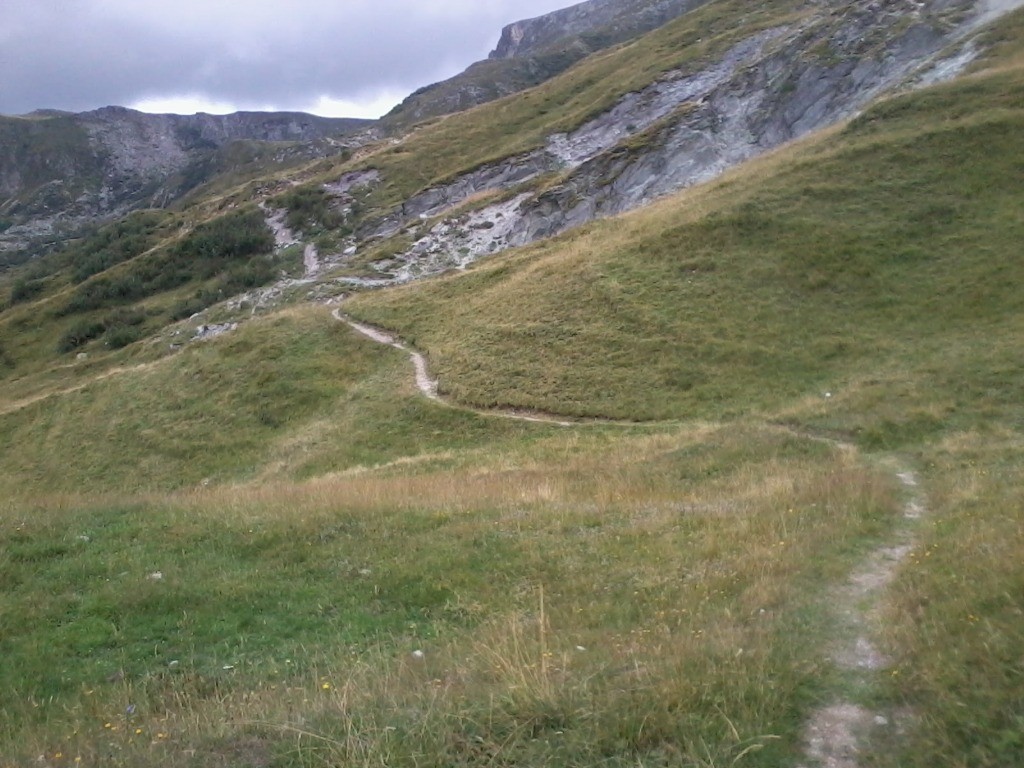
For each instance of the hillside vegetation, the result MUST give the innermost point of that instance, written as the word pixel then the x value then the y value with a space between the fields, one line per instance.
pixel 876 252
pixel 268 549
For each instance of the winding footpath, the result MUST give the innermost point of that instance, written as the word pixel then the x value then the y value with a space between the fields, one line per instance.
pixel 836 734
pixel 424 383
pixel 428 386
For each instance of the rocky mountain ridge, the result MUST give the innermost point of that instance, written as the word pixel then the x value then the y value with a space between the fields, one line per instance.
pixel 534 50
pixel 61 171
pixel 764 85
pixel 769 88
pixel 592 24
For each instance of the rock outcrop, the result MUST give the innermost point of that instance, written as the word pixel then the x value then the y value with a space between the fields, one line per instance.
pixel 692 124
pixel 532 51
pixel 593 24
pixel 61 171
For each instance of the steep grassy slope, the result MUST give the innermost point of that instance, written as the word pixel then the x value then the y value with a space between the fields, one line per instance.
pixel 441 149
pixel 126 282
pixel 293 394
pixel 867 283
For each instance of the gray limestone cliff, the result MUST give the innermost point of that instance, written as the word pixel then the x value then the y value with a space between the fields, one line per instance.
pixel 593 24
pixel 692 124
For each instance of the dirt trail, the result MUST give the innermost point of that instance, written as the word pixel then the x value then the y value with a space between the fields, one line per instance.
pixel 836 734
pixel 424 383
pixel 428 386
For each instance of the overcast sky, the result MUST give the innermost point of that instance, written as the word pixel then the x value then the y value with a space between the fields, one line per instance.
pixel 353 58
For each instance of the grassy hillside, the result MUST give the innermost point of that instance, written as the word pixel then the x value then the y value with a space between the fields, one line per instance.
pixel 576 600
pixel 268 550
pixel 866 283
pixel 868 259
pixel 295 393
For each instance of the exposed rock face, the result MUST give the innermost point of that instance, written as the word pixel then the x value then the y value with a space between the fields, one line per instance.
pixel 691 125
pixel 532 51
pixel 60 171
pixel 604 22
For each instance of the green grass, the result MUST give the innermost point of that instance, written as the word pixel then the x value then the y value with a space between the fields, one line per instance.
pixel 292 610
pixel 297 393
pixel 957 615
pixel 878 263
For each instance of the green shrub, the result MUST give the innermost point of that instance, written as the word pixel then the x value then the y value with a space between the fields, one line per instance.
pixel 309 209
pixel 125 317
pixel 116 243
pixel 190 306
pixel 217 248
pixel 215 245
pixel 121 336
pixel 25 289
pixel 79 334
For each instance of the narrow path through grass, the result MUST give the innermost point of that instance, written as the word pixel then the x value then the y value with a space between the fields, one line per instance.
pixel 428 386
pixel 840 730
pixel 836 732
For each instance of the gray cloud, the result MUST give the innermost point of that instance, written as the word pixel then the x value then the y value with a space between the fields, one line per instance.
pixel 82 54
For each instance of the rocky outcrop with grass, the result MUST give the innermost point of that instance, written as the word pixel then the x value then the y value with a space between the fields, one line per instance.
pixel 60 172
pixel 534 50
pixel 593 24
pixel 690 125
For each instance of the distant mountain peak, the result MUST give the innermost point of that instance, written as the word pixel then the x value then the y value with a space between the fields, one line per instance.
pixel 605 21
pixel 534 50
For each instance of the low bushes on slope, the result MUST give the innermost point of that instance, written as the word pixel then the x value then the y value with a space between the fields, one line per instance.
pixel 212 249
